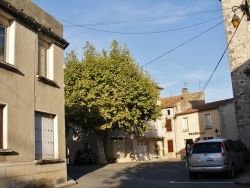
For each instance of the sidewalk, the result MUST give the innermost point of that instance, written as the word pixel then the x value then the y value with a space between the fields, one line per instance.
pixel 245 178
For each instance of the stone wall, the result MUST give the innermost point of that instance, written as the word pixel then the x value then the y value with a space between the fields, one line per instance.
pixel 239 55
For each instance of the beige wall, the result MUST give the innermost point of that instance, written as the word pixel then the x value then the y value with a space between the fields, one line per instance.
pixel 23 94
pixel 196 124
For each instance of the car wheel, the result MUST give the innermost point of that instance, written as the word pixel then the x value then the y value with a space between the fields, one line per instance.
pixel 192 175
pixel 231 172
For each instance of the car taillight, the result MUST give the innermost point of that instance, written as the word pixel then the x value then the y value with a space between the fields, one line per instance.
pixel 222 149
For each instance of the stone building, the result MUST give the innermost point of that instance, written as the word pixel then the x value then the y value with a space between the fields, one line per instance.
pixel 32 127
pixel 239 59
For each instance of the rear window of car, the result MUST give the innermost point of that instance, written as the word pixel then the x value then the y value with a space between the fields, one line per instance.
pixel 212 147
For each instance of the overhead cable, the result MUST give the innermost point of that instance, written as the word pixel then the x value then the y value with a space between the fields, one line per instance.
pixel 142 33
pixel 221 57
pixel 182 44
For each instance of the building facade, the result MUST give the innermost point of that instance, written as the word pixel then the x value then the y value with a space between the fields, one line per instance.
pixel 206 121
pixel 239 60
pixel 32 127
pixel 170 107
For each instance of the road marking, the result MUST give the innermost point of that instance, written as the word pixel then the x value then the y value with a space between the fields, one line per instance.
pixel 198 182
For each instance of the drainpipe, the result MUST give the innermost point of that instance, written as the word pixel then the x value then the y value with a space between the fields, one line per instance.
pixel 221 136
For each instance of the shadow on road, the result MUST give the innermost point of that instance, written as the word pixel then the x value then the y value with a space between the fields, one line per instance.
pixel 78 171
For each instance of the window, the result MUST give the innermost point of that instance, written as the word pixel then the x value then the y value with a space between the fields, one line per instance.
pixel 7 40
pixel 1 126
pixel 170 146
pixel 2 42
pixel 44 136
pixel 185 124
pixel 168 112
pixel 168 125
pixel 45 59
pixel 208 124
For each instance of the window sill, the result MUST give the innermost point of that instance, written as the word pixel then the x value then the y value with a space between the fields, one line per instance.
pixel 208 127
pixel 47 81
pixel 48 161
pixel 5 151
pixel 8 66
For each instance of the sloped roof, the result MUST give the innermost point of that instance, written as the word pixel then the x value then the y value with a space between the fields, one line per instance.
pixel 169 102
pixel 207 106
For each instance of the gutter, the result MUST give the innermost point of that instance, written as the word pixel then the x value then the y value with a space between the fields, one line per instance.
pixel 31 22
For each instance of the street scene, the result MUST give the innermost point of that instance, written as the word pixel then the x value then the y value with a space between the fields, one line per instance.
pixel 120 94
pixel 159 173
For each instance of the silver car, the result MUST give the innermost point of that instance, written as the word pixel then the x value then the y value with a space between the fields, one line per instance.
pixel 215 155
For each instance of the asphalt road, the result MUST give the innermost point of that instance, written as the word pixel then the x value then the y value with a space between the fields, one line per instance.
pixel 152 174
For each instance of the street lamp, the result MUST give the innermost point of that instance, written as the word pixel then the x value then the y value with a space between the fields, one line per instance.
pixel 245 9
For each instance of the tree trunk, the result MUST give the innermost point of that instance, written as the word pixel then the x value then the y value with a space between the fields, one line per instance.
pixel 101 148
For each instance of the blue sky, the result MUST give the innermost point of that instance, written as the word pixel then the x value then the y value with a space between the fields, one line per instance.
pixel 178 42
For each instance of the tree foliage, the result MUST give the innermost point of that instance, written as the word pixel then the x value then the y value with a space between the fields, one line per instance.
pixel 108 90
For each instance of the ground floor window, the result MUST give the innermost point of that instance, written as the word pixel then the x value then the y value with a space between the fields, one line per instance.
pixel 44 135
pixel 1 126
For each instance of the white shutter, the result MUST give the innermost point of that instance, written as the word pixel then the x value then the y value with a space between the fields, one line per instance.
pixel 185 124
pixel 48 132
pixel 44 136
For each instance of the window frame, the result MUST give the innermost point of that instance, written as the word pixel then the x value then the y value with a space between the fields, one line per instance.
pixel 43 148
pixel 48 46
pixel 48 76
pixel 1 126
pixel 3 52
pixel 9 24
pixel 185 127
pixel 207 121
pixel 4 128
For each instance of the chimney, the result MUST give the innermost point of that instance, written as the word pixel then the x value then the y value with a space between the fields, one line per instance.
pixel 185 94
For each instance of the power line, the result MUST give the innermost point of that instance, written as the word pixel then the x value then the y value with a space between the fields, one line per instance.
pixel 221 56
pixel 143 33
pixel 145 19
pixel 182 44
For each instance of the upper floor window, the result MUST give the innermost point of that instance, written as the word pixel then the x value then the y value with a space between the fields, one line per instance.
pixel 208 123
pixel 7 40
pixel 168 112
pixel 45 59
pixel 2 42
pixel 185 124
pixel 168 124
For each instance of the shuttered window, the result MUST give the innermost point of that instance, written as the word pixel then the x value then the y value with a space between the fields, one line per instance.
pixel 170 146
pixel 44 136
pixel 168 125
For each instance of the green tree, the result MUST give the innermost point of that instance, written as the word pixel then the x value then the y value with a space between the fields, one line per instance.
pixel 108 90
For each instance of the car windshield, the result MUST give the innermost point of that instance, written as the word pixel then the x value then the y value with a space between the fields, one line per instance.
pixel 212 147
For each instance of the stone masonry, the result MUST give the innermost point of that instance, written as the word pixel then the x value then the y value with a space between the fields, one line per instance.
pixel 239 59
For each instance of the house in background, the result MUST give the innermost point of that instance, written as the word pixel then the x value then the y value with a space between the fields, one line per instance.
pixel 32 127
pixel 206 121
pixel 170 107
